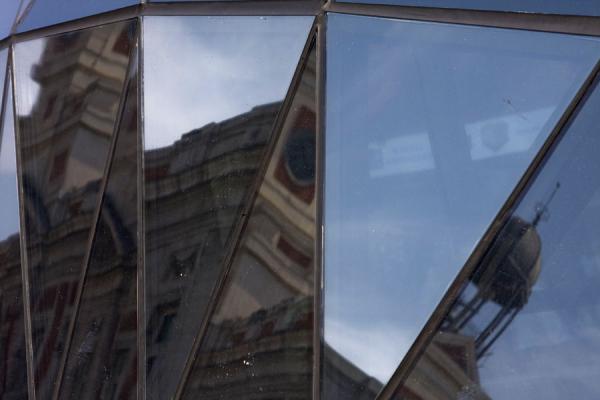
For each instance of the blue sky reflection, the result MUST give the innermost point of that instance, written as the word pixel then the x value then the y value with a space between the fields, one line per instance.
pixel 199 70
pixel 428 128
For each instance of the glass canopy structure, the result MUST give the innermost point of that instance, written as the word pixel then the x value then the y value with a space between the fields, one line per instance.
pixel 296 199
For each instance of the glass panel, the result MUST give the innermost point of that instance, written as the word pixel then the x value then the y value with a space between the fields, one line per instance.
pixel 197 171
pixel 102 361
pixel 8 13
pixel 429 128
pixel 13 363
pixel 566 7
pixel 68 94
pixel 259 340
pixel 527 323
pixel 42 13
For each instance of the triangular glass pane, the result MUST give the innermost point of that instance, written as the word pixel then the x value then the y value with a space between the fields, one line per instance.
pixel 102 359
pixel 68 92
pixel 212 91
pixel 429 128
pixel 526 324
pixel 259 341
pixel 13 362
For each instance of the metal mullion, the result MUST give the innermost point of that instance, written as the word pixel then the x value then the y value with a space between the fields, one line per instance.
pixel 432 325
pixel 235 8
pixel 131 68
pixel 23 233
pixel 141 237
pixel 242 220
pixel 320 196
pixel 573 24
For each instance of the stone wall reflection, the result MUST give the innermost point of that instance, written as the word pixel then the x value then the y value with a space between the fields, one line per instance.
pixel 259 342
pixel 67 105
pixel 194 190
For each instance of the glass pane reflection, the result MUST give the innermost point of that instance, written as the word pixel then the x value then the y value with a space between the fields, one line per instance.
pixel 68 92
pixel 42 13
pixel 429 128
pixel 102 361
pixel 197 171
pixel 259 340
pixel 526 326
pixel 13 364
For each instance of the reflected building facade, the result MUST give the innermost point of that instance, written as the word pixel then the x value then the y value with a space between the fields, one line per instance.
pixel 259 340
pixel 197 188
pixel 13 365
pixel 67 109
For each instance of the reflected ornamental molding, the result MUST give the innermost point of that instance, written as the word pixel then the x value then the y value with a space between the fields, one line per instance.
pixel 259 341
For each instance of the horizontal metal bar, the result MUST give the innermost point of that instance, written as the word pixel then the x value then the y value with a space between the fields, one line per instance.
pixel 579 25
pixel 257 7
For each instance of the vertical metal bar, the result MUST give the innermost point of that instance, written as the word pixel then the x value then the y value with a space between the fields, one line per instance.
pixel 97 212
pixel 23 236
pixel 431 327
pixel 141 235
pixel 320 185
pixel 4 93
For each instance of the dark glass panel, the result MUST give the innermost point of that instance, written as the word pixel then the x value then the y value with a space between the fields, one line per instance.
pixel 563 7
pixel 42 13
pixel 68 92
pixel 8 13
pixel 13 363
pixel 197 172
pixel 258 343
pixel 429 128
pixel 102 360
pixel 526 325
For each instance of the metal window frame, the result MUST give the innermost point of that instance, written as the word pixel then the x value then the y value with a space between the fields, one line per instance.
pixel 554 23
pixel 558 23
